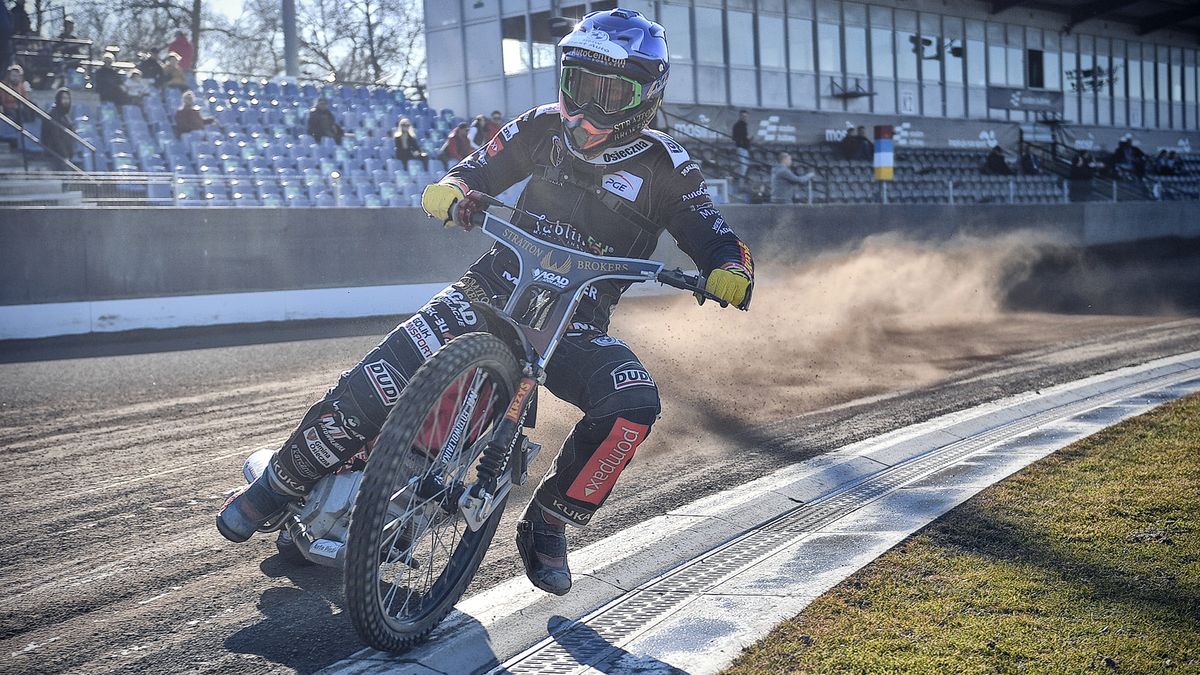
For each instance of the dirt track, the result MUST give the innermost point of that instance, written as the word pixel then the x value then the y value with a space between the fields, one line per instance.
pixel 118 454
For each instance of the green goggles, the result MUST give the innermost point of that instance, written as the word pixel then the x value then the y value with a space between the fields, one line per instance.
pixel 610 93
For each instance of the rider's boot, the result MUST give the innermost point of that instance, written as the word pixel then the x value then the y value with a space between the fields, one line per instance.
pixel 256 504
pixel 542 543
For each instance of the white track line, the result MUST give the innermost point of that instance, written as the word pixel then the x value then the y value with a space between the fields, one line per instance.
pixel 931 466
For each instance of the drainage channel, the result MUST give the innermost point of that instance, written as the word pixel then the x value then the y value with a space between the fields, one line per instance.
pixel 596 638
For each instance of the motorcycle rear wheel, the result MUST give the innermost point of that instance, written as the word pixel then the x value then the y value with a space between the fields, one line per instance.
pixel 410 554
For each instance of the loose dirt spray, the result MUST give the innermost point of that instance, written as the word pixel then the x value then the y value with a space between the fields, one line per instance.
pixel 886 315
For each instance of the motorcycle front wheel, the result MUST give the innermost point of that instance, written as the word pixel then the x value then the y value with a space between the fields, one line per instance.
pixel 410 554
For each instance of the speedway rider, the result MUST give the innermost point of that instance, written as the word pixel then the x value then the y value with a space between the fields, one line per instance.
pixel 607 185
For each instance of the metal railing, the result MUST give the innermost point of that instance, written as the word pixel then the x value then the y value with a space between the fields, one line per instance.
pixel 24 133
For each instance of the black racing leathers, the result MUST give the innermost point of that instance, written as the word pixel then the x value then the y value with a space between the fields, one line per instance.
pixel 617 204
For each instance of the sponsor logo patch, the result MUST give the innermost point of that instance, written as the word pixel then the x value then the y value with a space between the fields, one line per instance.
pixel 625 151
pixel 323 454
pixel 600 473
pixel 332 429
pixel 422 335
pixel 572 513
pixel 509 130
pixel 302 465
pixel 623 184
pixel 631 374
pixel 678 154
pixel 386 380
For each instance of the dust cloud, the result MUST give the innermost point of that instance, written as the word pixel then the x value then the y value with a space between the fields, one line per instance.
pixel 886 315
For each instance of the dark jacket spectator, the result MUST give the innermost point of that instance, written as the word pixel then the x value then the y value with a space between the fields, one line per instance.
pixel 457 145
pixel 1030 166
pixel 321 123
pixel 407 146
pixel 995 164
pixel 172 74
pixel 152 68
pixel 54 138
pixel 183 48
pixel 188 117
pixel 6 36
pixel 784 180
pixel 109 83
pixel 741 130
pixel 20 19
pixel 1083 169
pixel 1129 157
pixel 741 142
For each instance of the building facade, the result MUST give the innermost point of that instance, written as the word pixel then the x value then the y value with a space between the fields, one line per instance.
pixel 930 59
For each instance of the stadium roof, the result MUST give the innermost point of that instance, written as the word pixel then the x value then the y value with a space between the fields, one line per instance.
pixel 1147 16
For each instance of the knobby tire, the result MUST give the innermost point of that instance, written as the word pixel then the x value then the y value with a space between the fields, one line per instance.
pixel 392 454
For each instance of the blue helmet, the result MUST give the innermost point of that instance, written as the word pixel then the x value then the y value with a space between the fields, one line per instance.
pixel 614 70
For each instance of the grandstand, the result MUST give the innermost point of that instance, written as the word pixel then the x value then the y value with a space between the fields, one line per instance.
pixel 257 154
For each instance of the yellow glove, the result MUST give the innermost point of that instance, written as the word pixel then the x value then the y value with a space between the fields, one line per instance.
pixel 440 201
pixel 730 283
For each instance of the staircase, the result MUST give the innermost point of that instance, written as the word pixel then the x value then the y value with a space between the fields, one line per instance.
pixel 19 188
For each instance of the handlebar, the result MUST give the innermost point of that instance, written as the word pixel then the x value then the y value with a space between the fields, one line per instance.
pixel 675 278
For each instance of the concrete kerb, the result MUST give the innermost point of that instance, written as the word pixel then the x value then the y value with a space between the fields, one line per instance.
pixel 503 622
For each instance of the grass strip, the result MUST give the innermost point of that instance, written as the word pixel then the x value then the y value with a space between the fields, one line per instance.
pixel 1089 559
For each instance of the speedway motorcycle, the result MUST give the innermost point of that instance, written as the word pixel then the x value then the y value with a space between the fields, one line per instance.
pixel 410 522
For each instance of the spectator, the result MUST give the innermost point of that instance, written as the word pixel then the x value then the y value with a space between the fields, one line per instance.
pixel 995 164
pixel 495 122
pixel 54 136
pixel 848 146
pixel 865 148
pixel 477 134
pixel 784 181
pixel 1174 164
pixel 108 83
pixel 20 19
pixel 741 142
pixel 68 31
pixel 151 68
pixel 188 117
pixel 457 145
pixel 172 74
pixel 1129 157
pixel 407 146
pixel 321 123
pixel 1030 166
pixel 183 48
pixel 136 87
pixel 1083 169
pixel 15 79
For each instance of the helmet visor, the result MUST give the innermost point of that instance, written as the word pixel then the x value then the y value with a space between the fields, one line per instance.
pixel 610 93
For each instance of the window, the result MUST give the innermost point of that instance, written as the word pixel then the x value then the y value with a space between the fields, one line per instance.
pixel 996 65
pixel 800 47
pixel 931 49
pixel 881 53
pixel 829 48
pixel 976 61
pixel 856 50
pixel 953 49
pixel 710 34
pixel 1037 70
pixel 1133 72
pixel 678 21
pixel 513 45
pixel 741 44
pixel 907 48
pixel 770 42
